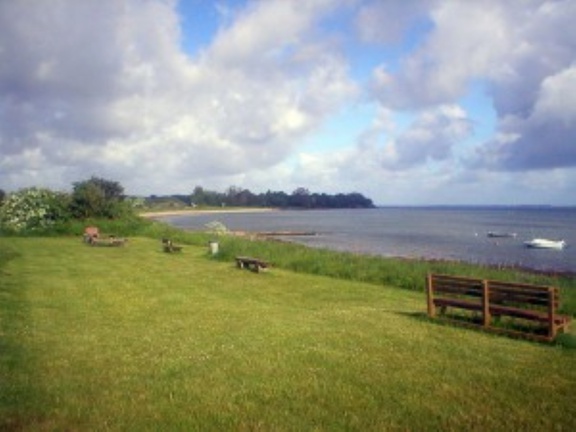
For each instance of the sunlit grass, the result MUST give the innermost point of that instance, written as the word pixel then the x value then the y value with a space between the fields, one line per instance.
pixel 402 273
pixel 135 339
pixel 397 272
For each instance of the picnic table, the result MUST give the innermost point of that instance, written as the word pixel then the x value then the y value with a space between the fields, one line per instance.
pixel 254 264
pixel 169 246
pixel 93 237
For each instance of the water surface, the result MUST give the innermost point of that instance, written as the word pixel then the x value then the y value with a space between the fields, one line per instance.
pixel 432 233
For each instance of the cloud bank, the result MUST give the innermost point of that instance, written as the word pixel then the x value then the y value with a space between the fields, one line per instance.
pixel 524 51
pixel 105 86
pixel 108 88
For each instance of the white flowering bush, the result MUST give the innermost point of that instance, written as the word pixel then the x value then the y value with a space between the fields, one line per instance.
pixel 216 227
pixel 33 209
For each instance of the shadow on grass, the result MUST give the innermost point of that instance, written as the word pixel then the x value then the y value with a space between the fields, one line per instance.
pixel 19 393
pixel 500 327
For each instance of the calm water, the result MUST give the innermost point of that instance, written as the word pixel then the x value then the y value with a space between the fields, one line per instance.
pixel 455 234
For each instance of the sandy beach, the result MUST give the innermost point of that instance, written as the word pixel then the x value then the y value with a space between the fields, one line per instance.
pixel 192 212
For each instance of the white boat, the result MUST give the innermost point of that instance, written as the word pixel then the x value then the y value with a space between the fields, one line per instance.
pixel 539 243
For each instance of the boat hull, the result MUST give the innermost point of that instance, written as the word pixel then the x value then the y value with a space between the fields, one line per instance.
pixel 545 244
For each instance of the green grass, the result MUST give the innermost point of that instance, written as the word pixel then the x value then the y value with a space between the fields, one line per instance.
pixel 132 339
pixel 402 273
pixel 398 272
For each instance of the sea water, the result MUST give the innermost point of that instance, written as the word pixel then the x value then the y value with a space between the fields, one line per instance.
pixel 430 233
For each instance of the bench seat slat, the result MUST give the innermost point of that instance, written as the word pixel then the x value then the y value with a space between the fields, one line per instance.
pixel 532 315
pixel 461 292
pixel 463 304
pixel 519 286
pixel 449 284
pixel 441 277
pixel 521 293
pixel 524 300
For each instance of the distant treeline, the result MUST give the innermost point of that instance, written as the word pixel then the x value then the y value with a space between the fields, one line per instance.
pixel 238 197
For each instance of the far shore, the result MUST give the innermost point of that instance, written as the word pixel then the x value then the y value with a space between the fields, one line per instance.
pixel 193 212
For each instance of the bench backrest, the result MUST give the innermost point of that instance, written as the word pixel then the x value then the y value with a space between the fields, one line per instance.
pixel 91 231
pixel 456 287
pixel 507 294
pixel 523 295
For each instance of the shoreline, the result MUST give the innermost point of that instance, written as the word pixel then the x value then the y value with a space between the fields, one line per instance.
pixel 194 212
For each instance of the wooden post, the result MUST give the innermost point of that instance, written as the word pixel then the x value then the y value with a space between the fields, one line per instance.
pixel 430 295
pixel 486 318
pixel 551 313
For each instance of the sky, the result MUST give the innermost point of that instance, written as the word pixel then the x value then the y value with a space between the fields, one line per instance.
pixel 419 102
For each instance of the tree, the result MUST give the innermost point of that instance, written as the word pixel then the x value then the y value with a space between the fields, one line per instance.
pixel 237 196
pixel 201 196
pixel 301 198
pixel 98 197
pixel 276 199
pixel 112 190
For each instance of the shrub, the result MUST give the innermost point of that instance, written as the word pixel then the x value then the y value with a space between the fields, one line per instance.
pixel 33 209
pixel 99 198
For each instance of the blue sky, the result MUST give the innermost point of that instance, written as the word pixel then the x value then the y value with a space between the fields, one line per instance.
pixel 416 103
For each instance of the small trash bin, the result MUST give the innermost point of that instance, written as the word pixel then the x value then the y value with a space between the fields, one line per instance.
pixel 213 245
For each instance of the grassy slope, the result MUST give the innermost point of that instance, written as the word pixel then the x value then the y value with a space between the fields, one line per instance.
pixel 134 339
pixel 402 273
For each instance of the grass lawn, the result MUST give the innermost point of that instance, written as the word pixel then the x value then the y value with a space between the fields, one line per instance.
pixel 133 339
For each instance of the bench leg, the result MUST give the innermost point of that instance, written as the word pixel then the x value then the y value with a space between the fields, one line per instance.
pixel 551 311
pixel 486 318
pixel 430 297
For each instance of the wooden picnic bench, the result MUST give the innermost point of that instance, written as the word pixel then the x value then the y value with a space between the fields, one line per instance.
pixel 108 241
pixel 93 237
pixel 254 264
pixel 525 310
pixel 169 246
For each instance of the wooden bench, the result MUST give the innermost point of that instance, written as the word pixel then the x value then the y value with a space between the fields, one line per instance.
pixel 93 237
pixel 170 247
pixel 111 241
pixel 91 233
pixel 531 309
pixel 254 264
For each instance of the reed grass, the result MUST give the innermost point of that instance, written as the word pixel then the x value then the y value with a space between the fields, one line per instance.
pixel 132 338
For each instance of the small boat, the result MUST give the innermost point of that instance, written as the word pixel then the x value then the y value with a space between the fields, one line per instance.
pixel 539 243
pixel 493 234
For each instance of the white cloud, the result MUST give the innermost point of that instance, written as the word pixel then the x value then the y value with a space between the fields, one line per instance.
pixel 524 51
pixel 468 40
pixel 430 138
pixel 389 22
pixel 556 98
pixel 108 81
pixel 390 163
pixel 543 139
